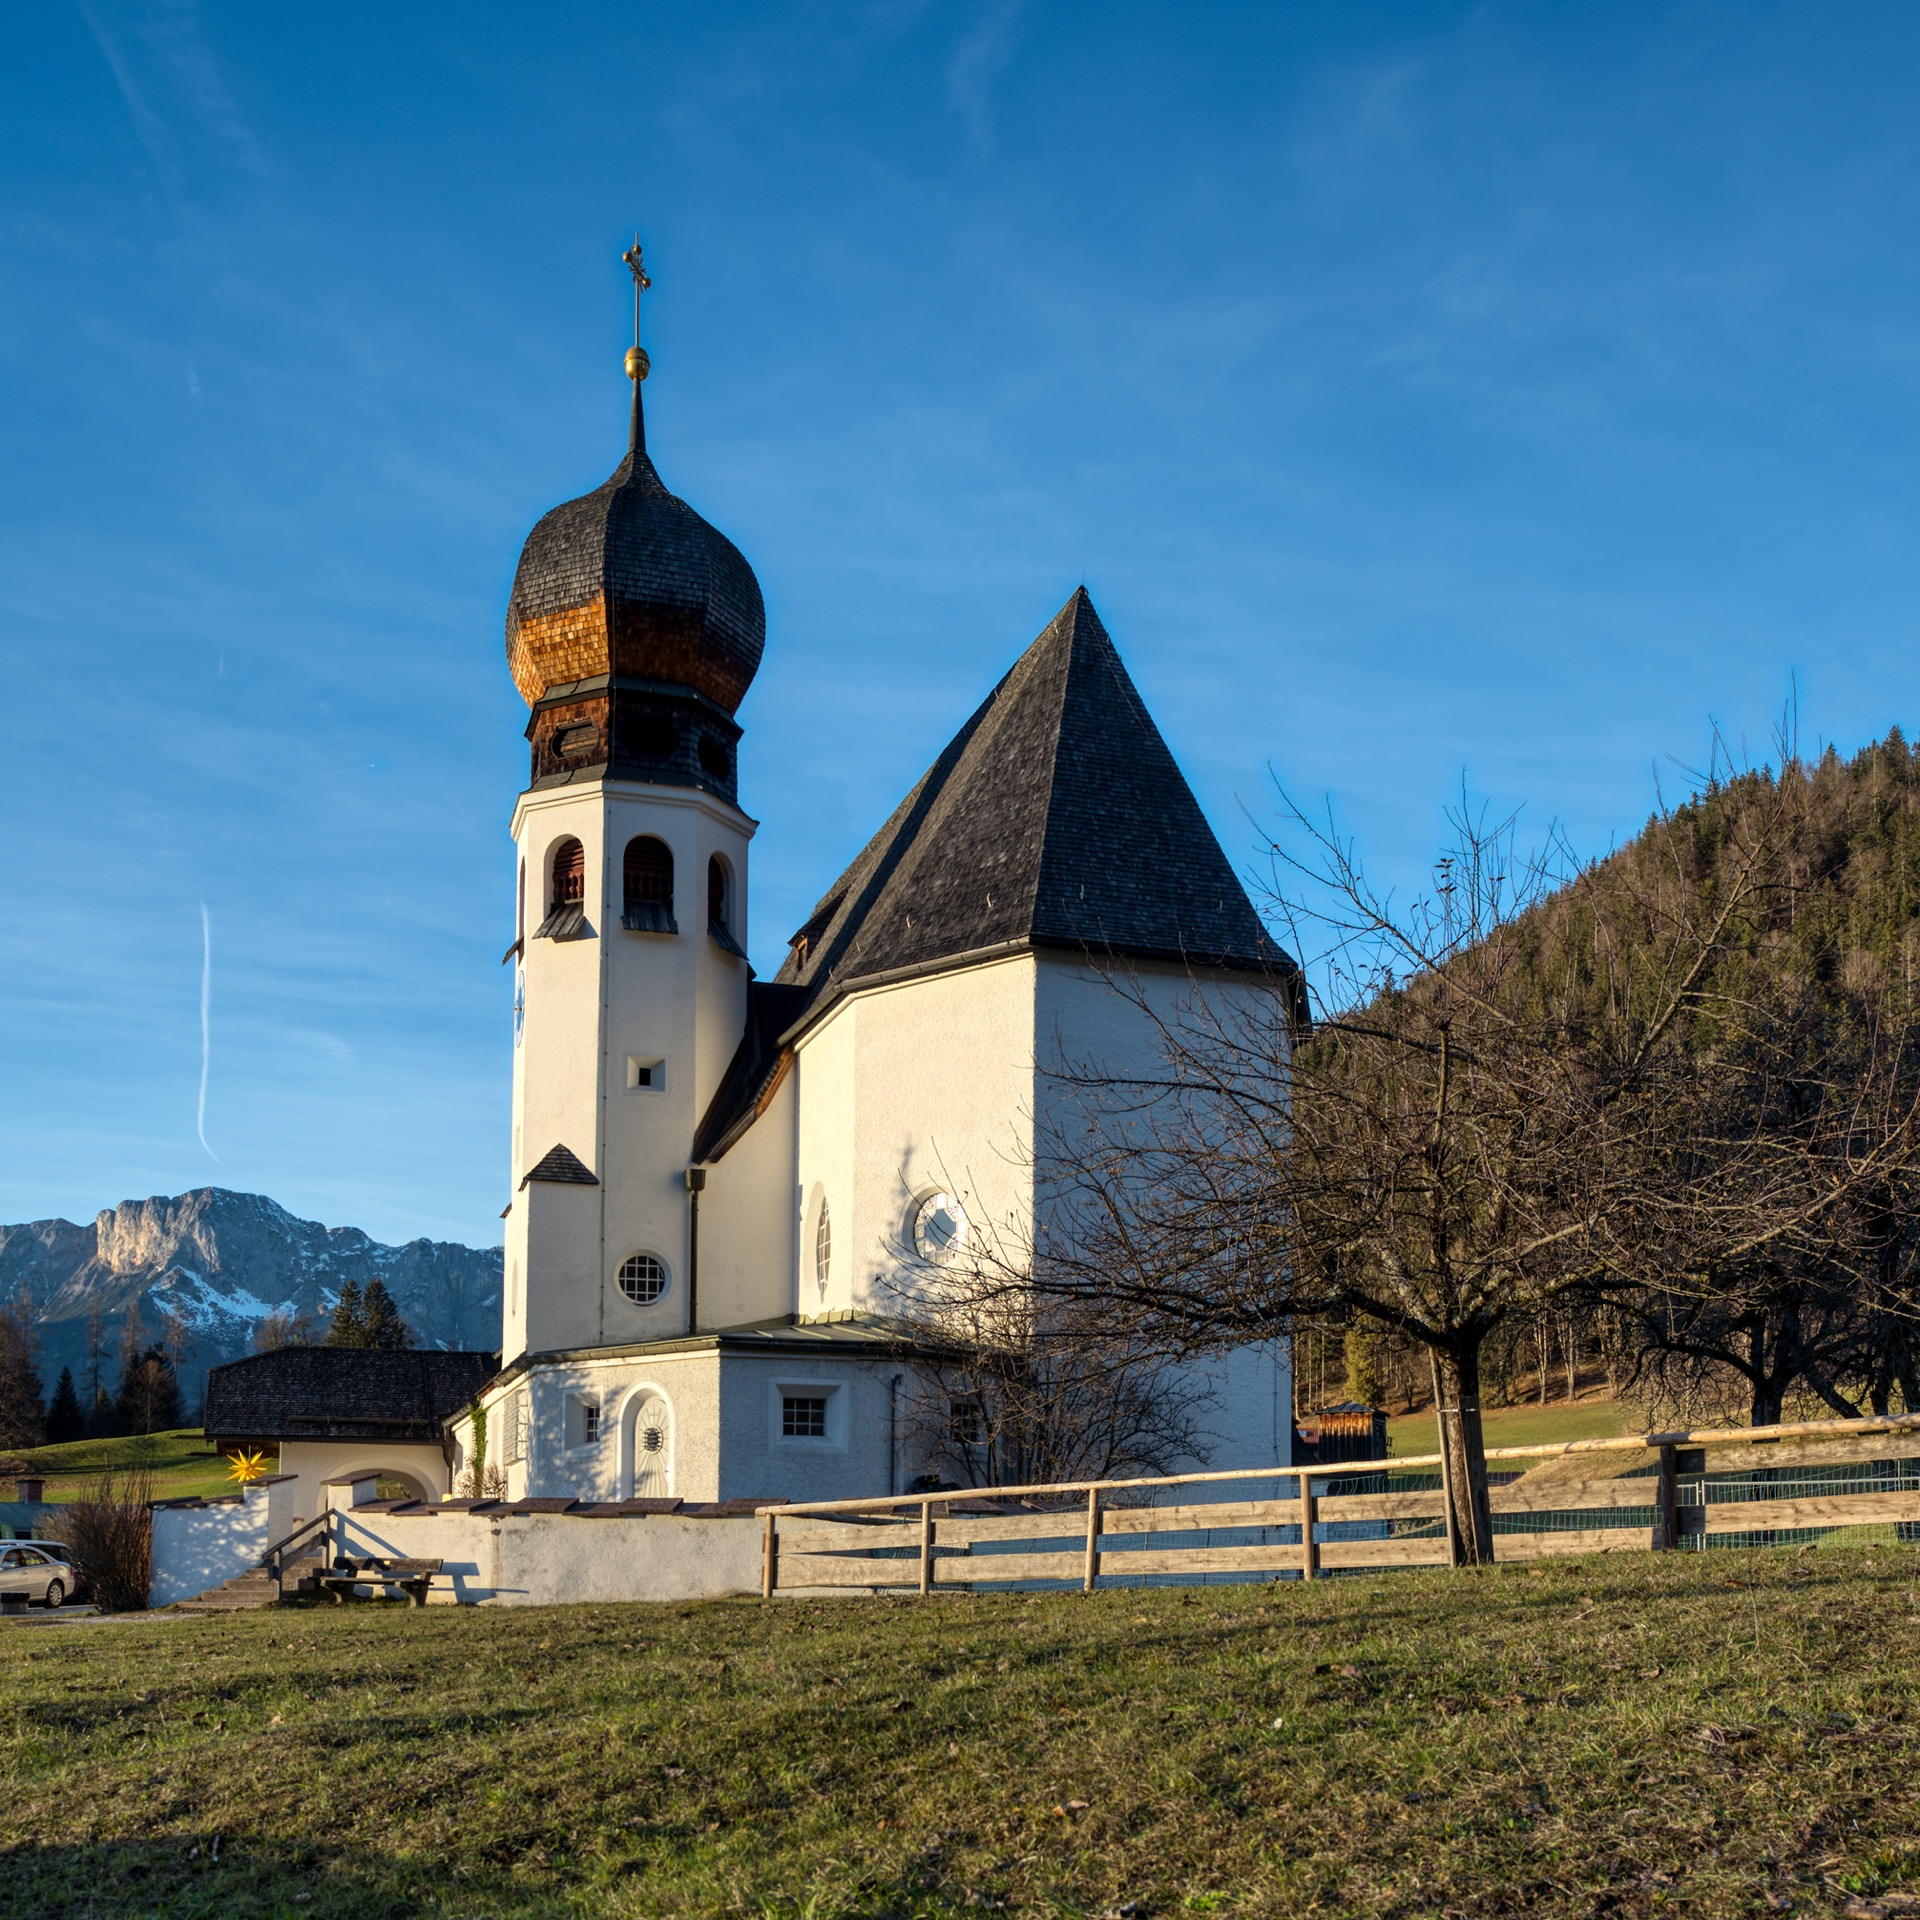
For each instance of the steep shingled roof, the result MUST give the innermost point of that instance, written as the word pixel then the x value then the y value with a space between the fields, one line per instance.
pixel 342 1393
pixel 1056 817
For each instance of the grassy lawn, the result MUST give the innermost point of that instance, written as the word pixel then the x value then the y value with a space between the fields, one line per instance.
pixel 1692 1734
pixel 180 1462
pixel 1534 1426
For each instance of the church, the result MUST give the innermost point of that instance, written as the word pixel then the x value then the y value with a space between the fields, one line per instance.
pixel 722 1185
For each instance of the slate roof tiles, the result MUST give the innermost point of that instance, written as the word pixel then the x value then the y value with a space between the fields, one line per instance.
pixel 1056 817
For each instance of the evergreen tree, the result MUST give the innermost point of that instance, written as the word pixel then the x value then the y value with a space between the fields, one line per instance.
pixel 21 1413
pixel 349 1319
pixel 380 1320
pixel 149 1398
pixel 66 1418
pixel 102 1422
pixel 1366 1377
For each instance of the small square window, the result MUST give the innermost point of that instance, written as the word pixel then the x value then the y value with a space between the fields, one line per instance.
pixel 645 1076
pixel 583 1421
pixel 803 1416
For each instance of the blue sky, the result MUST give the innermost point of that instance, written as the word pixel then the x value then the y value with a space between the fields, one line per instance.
pixel 1498 392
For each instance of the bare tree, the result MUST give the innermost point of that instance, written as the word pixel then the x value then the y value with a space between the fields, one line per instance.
pixel 286 1326
pixel 1010 1387
pixel 1498 1107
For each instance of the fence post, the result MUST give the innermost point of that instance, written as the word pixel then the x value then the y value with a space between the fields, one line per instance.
pixel 1309 1549
pixel 1666 1502
pixel 769 1561
pixel 926 1546
pixel 1093 1538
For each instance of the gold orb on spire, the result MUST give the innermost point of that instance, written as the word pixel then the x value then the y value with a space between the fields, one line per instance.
pixel 637 362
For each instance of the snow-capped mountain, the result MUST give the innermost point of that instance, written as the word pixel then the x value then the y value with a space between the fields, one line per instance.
pixel 219 1263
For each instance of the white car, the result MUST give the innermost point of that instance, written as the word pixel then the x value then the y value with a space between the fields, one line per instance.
pixel 31 1568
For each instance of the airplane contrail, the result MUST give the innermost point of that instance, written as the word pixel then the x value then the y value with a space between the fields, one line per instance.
pixel 206 1025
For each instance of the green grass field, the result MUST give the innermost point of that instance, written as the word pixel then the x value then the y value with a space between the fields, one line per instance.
pixel 1710 1734
pixel 181 1463
pixel 1535 1426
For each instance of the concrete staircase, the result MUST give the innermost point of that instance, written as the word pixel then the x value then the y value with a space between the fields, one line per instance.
pixel 254 1588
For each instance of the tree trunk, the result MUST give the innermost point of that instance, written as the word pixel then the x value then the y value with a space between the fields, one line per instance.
pixel 1456 1381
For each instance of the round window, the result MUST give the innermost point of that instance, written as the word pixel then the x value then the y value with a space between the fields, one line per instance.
pixel 643 1278
pixel 939 1227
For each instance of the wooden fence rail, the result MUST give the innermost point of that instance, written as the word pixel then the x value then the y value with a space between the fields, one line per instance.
pixel 1655 1491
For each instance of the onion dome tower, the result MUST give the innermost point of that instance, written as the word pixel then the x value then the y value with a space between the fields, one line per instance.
pixel 634 629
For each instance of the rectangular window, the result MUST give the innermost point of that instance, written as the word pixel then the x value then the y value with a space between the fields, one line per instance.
pixel 517 1427
pixel 645 1076
pixel 803 1416
pixel 591 1421
pixel 583 1421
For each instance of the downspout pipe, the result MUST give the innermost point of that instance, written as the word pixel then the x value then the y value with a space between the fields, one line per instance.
pixel 893 1435
pixel 696 1185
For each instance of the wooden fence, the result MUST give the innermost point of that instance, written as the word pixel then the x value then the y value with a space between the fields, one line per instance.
pixel 1658 1491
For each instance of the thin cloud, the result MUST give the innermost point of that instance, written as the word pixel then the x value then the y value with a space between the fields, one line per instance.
pixel 171 85
pixel 978 61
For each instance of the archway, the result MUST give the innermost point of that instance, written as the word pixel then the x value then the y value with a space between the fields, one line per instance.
pixel 646 1446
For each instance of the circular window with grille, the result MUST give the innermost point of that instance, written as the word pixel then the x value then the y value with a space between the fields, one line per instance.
pixel 643 1278
pixel 939 1227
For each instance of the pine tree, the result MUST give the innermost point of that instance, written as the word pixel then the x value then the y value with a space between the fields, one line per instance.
pixel 349 1319
pixel 149 1398
pixel 66 1418
pixel 21 1413
pixel 102 1422
pixel 381 1321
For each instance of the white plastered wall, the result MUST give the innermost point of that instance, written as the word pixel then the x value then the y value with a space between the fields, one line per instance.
pixel 314 1462
pixel 748 1220
pixel 725 1420
pixel 592 1007
pixel 1089 1019
pixel 905 1089
pixel 857 1457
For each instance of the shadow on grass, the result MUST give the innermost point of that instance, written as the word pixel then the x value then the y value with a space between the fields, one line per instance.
pixel 184 1878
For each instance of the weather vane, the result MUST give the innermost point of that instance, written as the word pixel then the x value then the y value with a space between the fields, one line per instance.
pixel 637 359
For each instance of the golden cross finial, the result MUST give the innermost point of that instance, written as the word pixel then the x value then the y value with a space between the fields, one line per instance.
pixel 637 267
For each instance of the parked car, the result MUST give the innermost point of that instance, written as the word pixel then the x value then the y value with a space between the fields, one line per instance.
pixel 34 1569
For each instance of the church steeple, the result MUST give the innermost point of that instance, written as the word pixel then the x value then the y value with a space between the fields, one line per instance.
pixel 635 627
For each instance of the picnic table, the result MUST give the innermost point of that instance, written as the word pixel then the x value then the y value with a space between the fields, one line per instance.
pixel 346 1576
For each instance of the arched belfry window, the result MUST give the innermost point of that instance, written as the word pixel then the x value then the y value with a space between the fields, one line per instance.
pixel 566 894
pixel 647 886
pixel 720 907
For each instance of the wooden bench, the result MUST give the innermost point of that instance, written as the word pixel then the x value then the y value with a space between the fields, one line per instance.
pixel 411 1577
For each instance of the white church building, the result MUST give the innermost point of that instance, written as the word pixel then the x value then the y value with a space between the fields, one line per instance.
pixel 721 1185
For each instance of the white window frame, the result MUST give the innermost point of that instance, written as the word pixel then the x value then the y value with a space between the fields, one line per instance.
pixel 583 1419
pixel 833 1392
